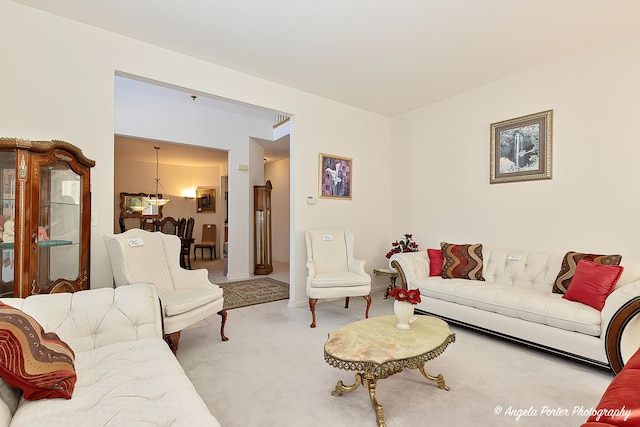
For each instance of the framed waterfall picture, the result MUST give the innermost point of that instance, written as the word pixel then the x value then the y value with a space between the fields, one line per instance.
pixel 336 176
pixel 521 148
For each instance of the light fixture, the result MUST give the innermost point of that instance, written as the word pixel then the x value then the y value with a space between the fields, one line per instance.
pixel 154 199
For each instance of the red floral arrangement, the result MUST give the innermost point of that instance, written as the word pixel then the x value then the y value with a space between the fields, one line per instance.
pixel 400 294
pixel 403 245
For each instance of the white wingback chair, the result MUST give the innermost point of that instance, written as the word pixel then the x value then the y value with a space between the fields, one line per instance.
pixel 186 296
pixel 333 271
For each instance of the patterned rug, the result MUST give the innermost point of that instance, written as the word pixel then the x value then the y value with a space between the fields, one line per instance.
pixel 254 291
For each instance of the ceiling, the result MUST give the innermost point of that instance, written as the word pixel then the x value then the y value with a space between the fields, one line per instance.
pixel 384 56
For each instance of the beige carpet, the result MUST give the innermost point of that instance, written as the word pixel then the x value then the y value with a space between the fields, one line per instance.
pixel 272 372
pixel 255 291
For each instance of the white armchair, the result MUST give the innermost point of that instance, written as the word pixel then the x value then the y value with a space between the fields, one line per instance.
pixel 186 296
pixel 333 271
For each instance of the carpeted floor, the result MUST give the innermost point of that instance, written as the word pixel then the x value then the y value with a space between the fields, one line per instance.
pixel 272 372
pixel 254 291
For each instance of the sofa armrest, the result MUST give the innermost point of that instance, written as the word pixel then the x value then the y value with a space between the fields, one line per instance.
pixel 357 266
pixel 94 318
pixel 410 267
pixel 621 324
pixel 191 279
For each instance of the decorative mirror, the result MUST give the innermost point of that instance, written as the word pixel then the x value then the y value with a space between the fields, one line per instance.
pixel 137 205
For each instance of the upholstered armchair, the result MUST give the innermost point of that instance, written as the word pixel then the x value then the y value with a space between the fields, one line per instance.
pixel 186 296
pixel 333 270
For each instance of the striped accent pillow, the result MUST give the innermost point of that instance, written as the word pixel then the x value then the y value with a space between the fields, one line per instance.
pixel 462 261
pixel 33 360
pixel 569 263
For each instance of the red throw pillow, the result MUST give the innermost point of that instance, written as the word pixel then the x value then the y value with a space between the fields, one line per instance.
pixel 32 360
pixel 435 262
pixel 592 283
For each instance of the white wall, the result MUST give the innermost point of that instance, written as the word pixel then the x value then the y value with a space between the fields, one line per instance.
pixel 591 202
pixel 278 174
pixel 58 82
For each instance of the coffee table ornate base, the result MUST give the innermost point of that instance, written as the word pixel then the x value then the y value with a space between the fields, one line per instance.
pixel 377 350
pixel 369 380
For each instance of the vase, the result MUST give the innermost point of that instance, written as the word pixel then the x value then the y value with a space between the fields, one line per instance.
pixel 404 313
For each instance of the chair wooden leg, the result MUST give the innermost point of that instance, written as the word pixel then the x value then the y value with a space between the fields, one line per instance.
pixel 173 340
pixel 312 307
pixel 368 299
pixel 223 314
pixel 346 302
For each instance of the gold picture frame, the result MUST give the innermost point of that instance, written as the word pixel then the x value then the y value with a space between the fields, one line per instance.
pixel 335 177
pixel 206 199
pixel 521 148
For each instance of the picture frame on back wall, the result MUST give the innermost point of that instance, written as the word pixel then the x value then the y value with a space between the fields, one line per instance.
pixel 136 205
pixel 521 148
pixel 336 177
pixel 206 199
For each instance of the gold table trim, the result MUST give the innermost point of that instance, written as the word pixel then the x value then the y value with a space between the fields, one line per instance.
pixel 369 372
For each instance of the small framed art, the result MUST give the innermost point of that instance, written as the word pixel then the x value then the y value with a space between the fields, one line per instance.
pixel 206 199
pixel 336 176
pixel 521 148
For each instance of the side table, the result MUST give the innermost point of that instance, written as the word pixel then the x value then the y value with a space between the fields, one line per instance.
pixel 391 274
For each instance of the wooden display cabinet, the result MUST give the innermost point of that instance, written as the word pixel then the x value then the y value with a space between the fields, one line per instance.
pixel 45 217
pixel 262 228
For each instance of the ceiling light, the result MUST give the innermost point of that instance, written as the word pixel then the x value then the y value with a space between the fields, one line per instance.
pixel 154 199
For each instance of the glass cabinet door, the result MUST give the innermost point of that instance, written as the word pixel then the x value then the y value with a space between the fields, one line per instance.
pixel 7 221
pixel 262 228
pixel 59 228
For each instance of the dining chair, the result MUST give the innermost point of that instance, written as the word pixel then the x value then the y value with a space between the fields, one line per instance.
pixel 208 241
pixel 168 225
pixel 182 225
pixel 148 224
pixel 187 241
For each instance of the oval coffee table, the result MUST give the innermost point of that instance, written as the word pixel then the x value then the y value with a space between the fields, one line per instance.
pixel 376 350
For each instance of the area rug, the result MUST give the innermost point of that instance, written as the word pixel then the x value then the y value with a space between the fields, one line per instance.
pixel 255 291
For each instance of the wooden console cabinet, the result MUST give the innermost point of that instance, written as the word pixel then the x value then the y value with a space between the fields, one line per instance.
pixel 45 217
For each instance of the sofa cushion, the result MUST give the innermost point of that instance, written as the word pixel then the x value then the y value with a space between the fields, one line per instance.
pixel 183 300
pixel 527 304
pixel 592 283
pixel 435 262
pixel 462 261
pixel 342 278
pixel 569 263
pixel 9 398
pixel 134 383
pixel 38 363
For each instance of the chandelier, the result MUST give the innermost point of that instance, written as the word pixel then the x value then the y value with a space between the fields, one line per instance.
pixel 156 199
pixel 153 197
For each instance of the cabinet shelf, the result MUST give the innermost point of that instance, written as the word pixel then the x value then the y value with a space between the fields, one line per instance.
pixel 42 243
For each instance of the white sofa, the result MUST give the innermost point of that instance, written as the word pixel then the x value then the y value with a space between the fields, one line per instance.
pixel 126 373
pixel 516 301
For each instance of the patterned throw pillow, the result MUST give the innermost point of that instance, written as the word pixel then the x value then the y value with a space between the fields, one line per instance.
pixel 462 261
pixel 32 360
pixel 569 263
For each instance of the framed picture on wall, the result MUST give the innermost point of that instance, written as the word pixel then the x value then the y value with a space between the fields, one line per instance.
pixel 136 205
pixel 206 199
pixel 521 148
pixel 336 176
